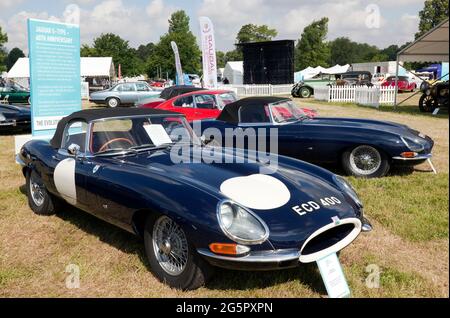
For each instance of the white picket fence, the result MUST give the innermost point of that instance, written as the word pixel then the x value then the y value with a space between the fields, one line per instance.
pixel 363 95
pixel 259 90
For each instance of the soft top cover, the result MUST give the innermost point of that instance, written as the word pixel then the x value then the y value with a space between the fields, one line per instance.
pixel 174 91
pixel 102 113
pixel 230 113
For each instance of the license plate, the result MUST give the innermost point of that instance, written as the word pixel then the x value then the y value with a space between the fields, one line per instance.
pixel 333 277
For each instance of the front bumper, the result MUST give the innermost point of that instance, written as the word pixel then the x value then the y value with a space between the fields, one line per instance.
pixel 416 160
pixel 268 259
pixel 255 260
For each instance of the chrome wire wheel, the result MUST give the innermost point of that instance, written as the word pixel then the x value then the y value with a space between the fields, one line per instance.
pixel 365 160
pixel 170 246
pixel 37 192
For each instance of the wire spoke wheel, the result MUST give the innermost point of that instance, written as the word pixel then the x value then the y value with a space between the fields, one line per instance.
pixel 37 192
pixel 170 246
pixel 365 160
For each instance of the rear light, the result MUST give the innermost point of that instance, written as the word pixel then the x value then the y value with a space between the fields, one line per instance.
pixel 228 249
pixel 408 154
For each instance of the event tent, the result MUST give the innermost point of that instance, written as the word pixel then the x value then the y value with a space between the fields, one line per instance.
pixel 234 72
pixel 310 72
pixel 433 46
pixel 89 67
pixel 430 47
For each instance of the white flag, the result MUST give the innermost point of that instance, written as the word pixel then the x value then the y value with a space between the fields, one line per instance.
pixel 180 74
pixel 209 53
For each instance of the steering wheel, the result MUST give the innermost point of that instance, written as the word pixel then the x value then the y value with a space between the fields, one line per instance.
pixel 105 145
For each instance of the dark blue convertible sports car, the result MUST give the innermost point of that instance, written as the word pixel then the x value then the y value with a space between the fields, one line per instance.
pixel 365 148
pixel 15 118
pixel 117 164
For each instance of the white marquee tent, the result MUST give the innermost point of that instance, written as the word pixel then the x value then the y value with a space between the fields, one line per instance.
pixel 89 67
pixel 234 72
pixel 310 72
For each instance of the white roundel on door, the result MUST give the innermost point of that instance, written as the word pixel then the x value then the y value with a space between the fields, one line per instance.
pixel 258 191
pixel 64 177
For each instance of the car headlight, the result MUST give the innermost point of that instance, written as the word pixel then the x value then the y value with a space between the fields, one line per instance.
pixel 240 224
pixel 412 144
pixel 2 118
pixel 348 189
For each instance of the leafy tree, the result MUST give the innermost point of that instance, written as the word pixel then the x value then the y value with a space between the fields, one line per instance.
pixel 113 45
pixel 145 51
pixel 221 61
pixel 12 57
pixel 255 33
pixel 162 56
pixel 433 12
pixel 391 52
pixel 3 40
pixel 311 49
pixel 87 51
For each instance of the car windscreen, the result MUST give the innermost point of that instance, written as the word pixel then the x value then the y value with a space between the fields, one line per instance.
pixel 139 133
pixel 226 98
pixel 286 111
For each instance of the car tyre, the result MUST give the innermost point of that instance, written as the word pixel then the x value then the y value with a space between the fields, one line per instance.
pixel 192 271
pixel 427 104
pixel 365 161
pixel 305 92
pixel 40 200
pixel 113 102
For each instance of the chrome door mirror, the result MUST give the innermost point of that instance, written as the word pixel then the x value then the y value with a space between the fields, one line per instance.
pixel 73 149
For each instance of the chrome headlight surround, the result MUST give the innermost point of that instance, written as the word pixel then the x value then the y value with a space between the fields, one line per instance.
pixel 227 218
pixel 2 117
pixel 347 188
pixel 412 145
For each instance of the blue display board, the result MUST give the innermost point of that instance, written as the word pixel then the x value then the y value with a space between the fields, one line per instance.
pixel 55 80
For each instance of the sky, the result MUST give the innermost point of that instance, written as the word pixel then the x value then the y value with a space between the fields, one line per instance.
pixel 380 23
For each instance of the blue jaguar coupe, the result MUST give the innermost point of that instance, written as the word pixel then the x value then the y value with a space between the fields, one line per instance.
pixel 193 216
pixel 363 147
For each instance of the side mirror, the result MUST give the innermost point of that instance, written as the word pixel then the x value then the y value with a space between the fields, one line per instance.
pixel 73 149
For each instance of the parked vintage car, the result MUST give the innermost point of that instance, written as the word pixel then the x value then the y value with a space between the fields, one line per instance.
pixel 404 83
pixel 305 88
pixel 117 165
pixel 14 93
pixel 123 94
pixel 353 78
pixel 198 104
pixel 365 148
pixel 15 118
pixel 433 96
pixel 168 93
pixel 206 104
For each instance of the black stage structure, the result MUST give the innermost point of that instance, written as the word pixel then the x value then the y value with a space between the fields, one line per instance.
pixel 270 62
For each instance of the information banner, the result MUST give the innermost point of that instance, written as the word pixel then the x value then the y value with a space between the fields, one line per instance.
pixel 208 53
pixel 55 81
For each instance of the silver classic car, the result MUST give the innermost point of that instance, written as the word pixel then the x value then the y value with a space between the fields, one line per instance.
pixel 124 94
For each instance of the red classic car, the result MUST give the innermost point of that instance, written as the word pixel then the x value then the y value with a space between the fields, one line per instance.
pixel 203 104
pixel 404 84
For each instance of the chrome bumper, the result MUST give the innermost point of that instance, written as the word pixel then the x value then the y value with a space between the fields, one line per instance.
pixel 273 256
pixel 20 161
pixel 419 157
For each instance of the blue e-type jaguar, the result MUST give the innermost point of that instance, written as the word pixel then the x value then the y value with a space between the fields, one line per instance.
pixel 365 148
pixel 117 165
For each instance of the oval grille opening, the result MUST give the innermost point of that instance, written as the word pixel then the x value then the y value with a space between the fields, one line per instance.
pixel 328 238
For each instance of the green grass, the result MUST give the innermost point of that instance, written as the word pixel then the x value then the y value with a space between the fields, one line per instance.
pixel 414 206
pixel 401 109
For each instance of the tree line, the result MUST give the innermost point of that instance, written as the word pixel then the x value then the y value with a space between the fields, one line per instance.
pixel 312 48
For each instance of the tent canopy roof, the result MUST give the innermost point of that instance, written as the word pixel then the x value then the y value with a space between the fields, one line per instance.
pixel 236 66
pixel 430 47
pixel 89 67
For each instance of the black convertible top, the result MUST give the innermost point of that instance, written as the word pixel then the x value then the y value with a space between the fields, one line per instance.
pixel 101 113
pixel 230 113
pixel 177 90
